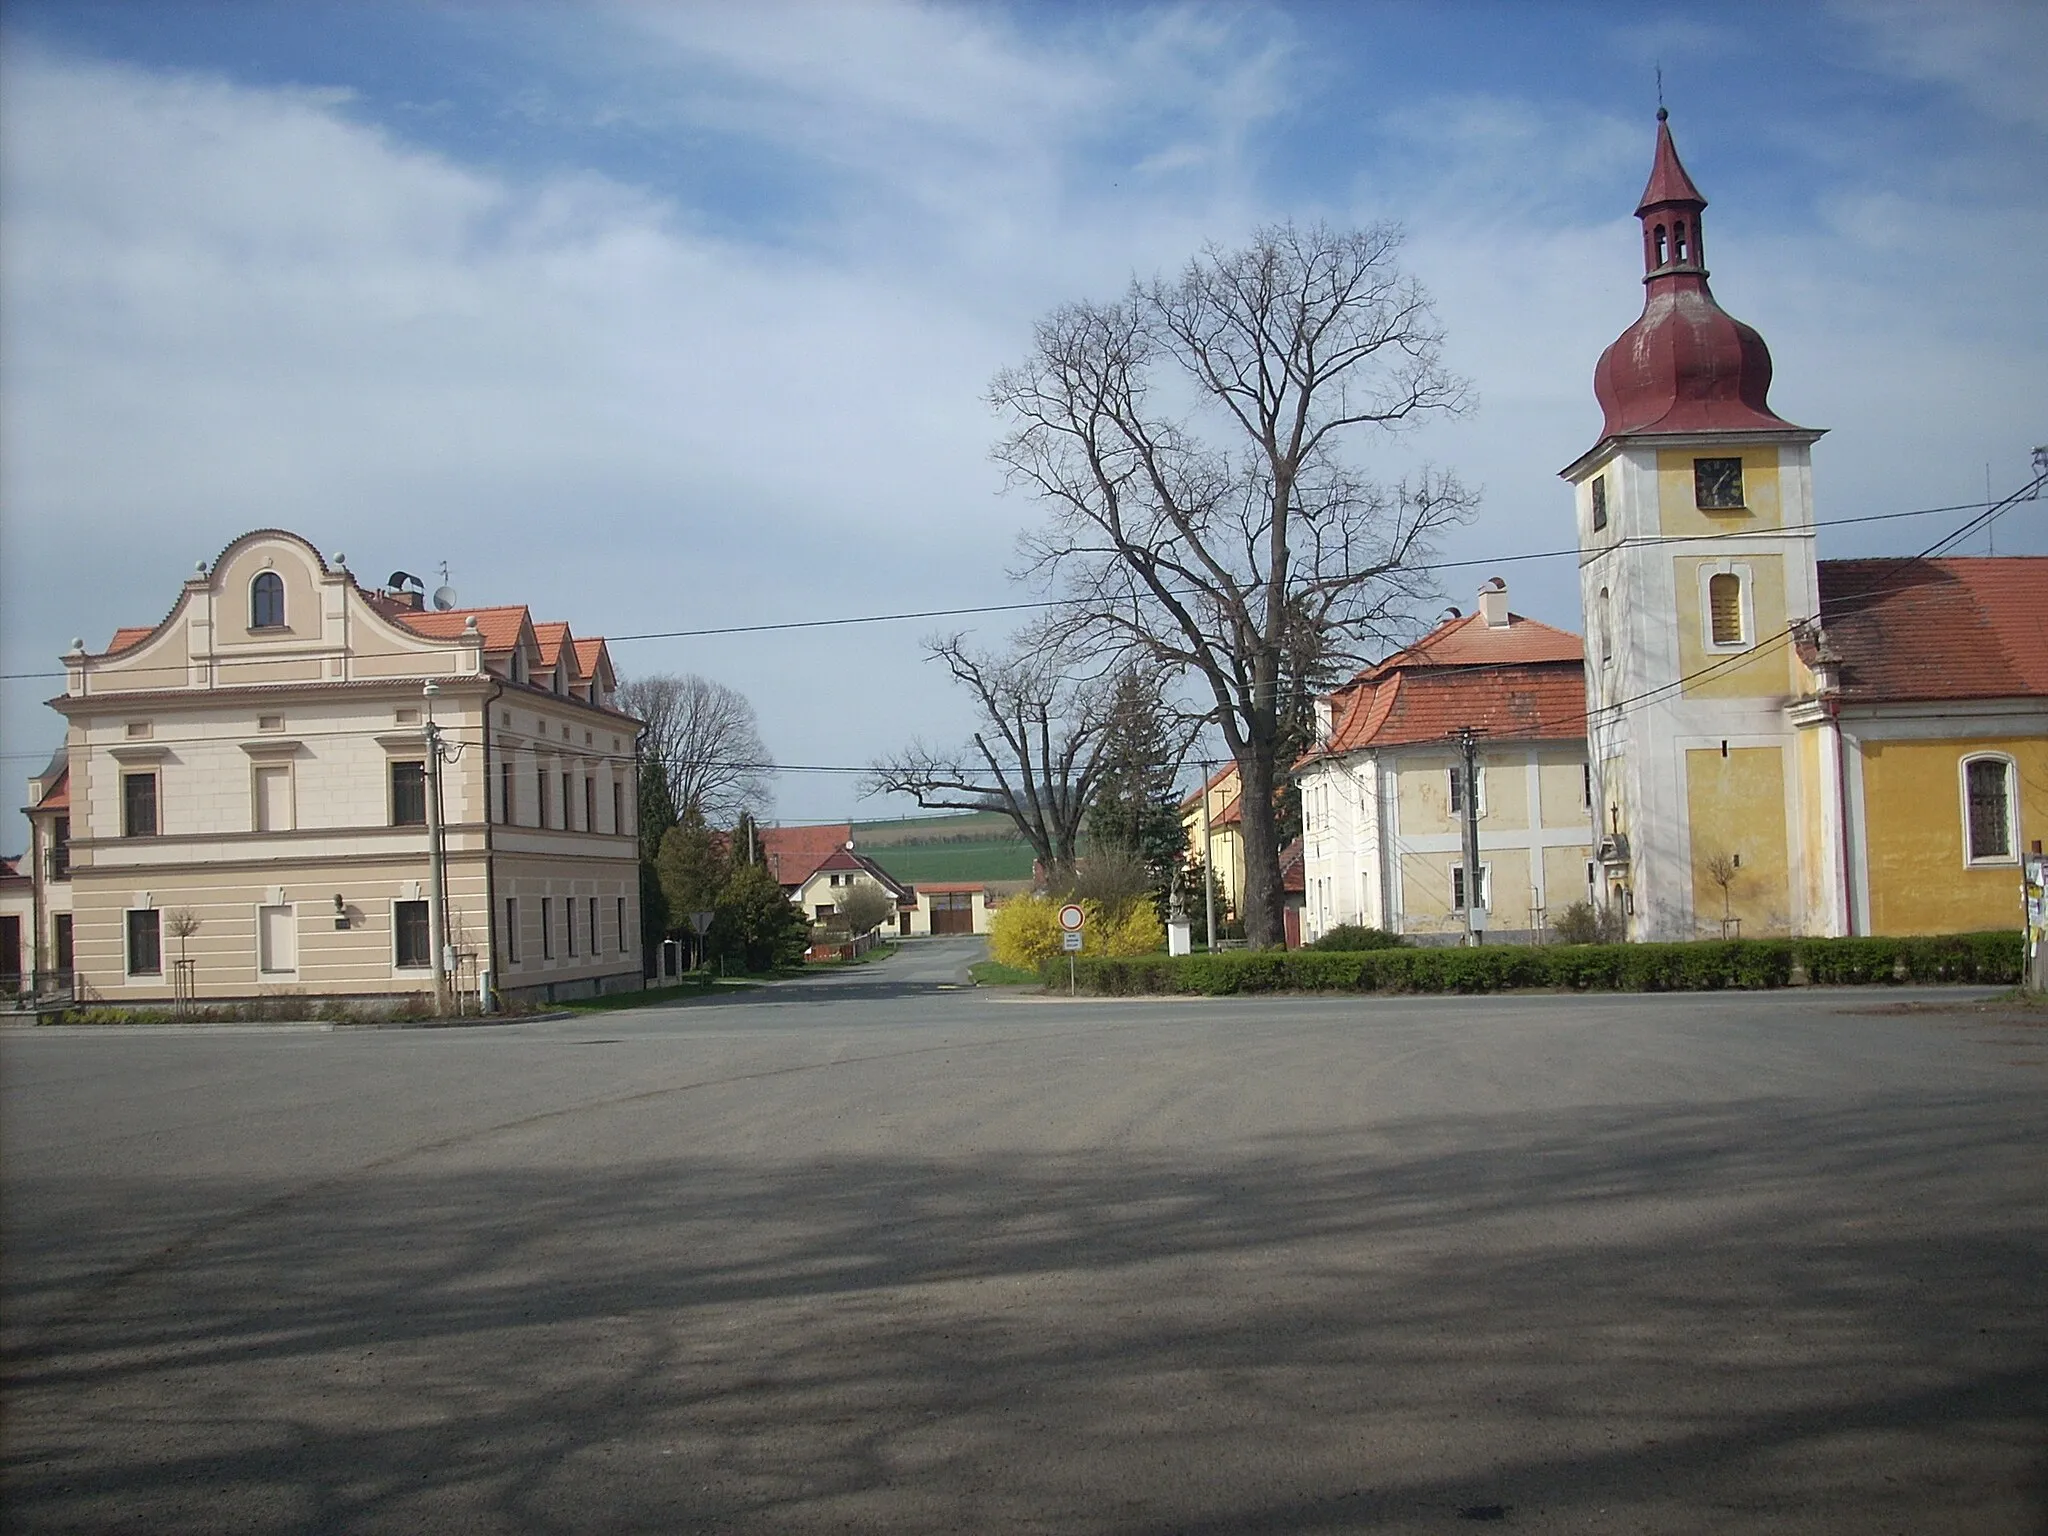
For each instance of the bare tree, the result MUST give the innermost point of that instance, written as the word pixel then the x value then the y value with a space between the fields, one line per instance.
pixel 1188 442
pixel 1035 759
pixel 704 738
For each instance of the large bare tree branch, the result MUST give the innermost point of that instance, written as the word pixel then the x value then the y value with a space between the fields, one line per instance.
pixel 1229 536
pixel 1035 759
pixel 707 741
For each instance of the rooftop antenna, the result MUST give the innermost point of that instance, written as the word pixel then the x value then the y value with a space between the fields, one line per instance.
pixel 444 595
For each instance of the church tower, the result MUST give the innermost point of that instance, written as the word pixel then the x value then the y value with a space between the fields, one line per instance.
pixel 1696 561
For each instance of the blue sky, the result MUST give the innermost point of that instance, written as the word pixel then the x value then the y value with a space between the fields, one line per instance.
pixel 678 316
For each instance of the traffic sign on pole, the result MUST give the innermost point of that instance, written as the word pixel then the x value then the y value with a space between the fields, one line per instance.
pixel 1072 917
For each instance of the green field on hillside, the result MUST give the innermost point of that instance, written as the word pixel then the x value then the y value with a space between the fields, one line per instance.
pixel 967 826
pixel 986 859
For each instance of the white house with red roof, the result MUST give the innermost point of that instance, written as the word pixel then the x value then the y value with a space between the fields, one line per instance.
pixel 1382 807
pixel 256 765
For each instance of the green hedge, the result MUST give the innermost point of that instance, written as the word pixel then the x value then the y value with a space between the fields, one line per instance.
pixel 1710 965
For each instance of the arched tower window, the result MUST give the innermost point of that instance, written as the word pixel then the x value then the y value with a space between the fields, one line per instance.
pixel 1724 605
pixel 1679 239
pixel 266 601
pixel 1660 239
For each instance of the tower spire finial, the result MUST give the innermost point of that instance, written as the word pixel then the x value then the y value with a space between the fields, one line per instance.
pixel 1661 113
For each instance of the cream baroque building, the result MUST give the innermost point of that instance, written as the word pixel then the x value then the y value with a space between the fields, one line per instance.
pixel 246 786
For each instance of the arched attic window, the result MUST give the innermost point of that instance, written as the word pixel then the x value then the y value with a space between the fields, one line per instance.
pixel 266 601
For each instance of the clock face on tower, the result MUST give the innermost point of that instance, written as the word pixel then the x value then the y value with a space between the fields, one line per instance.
pixel 1717 483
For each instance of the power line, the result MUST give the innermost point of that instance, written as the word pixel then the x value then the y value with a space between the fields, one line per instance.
pixel 1040 604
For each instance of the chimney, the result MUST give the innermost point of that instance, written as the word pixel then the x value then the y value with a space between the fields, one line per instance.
pixel 1493 603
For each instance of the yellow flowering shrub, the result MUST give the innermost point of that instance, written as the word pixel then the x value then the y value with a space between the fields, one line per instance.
pixel 1025 930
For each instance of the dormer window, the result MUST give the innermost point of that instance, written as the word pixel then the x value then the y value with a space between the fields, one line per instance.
pixel 266 601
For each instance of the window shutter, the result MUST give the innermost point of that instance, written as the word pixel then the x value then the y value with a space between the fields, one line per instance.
pixel 1724 603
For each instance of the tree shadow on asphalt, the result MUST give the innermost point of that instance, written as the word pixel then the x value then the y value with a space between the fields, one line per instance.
pixel 1750 1316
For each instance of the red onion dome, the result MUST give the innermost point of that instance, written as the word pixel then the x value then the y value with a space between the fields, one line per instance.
pixel 1686 365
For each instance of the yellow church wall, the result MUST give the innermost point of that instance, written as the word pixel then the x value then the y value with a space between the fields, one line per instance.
pixel 1766 668
pixel 1806 748
pixel 1736 806
pixel 1678 510
pixel 1913 835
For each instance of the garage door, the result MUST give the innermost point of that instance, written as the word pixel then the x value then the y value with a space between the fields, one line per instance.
pixel 952 911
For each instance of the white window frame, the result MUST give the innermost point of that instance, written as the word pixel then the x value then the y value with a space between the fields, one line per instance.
pixel 427 968
pixel 2011 857
pixel 133 977
pixel 292 907
pixel 1456 775
pixel 1746 606
pixel 1485 885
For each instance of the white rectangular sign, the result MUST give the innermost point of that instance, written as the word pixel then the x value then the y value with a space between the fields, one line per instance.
pixel 1070 941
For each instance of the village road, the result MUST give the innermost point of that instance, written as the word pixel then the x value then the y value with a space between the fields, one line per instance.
pixel 887 1255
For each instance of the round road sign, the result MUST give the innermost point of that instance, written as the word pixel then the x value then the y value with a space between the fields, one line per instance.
pixel 1071 917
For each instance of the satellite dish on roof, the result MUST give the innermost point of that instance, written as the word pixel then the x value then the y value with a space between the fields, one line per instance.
pixel 444 598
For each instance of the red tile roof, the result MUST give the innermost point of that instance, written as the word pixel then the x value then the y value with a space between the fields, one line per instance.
pixel 1471 642
pixel 127 636
pixel 1194 798
pixel 588 653
pixel 1502 703
pixel 846 858
pixel 1294 867
pixel 551 636
pixel 1519 681
pixel 58 796
pixel 500 627
pixel 1957 628
pixel 793 854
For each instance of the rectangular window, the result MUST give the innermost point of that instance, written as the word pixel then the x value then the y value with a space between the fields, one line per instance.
pixel 511 930
pixel 1458 889
pixel 540 795
pixel 1599 503
pixel 145 942
pixel 595 947
pixel 1717 484
pixel 589 803
pixel 412 935
pixel 622 925
pixel 505 789
pixel 1586 785
pixel 1724 603
pixel 138 805
pixel 1592 882
pixel 568 814
pixel 274 799
pixel 63 937
pixel 1458 788
pixel 277 939
pixel 569 923
pixel 1987 784
pixel 408 794
pixel 618 808
pixel 60 848
pixel 547 927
